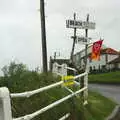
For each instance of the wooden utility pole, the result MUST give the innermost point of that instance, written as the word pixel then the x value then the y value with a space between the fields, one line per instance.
pixel 86 46
pixel 43 34
pixel 74 38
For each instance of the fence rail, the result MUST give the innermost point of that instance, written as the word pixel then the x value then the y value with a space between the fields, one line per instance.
pixel 30 93
pixel 65 116
pixel 5 106
pixel 30 116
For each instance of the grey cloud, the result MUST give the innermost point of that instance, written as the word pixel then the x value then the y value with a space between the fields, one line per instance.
pixel 20 27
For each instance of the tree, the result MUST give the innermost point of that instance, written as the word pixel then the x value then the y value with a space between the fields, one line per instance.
pixel 14 69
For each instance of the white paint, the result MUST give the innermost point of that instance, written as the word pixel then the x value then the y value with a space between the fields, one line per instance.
pixel 98 63
pixel 5 105
pixel 30 116
pixel 30 93
pixel 112 57
pixel 80 24
pixel 80 59
pixel 82 40
pixel 65 116
pixel 60 69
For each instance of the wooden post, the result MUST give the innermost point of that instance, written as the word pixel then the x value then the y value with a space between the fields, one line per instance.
pixel 74 38
pixel 86 64
pixel 43 35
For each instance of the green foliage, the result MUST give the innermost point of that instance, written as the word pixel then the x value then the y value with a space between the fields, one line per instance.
pixel 111 77
pixel 14 69
pixel 19 79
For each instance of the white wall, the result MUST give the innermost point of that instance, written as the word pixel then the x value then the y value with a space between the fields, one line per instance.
pixel 112 57
pixel 101 62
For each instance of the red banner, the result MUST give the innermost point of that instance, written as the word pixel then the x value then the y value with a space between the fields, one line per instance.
pixel 96 50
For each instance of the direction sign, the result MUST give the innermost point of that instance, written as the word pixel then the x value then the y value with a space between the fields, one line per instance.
pixel 82 40
pixel 80 24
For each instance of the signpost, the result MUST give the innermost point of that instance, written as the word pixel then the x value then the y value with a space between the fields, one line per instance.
pixel 80 24
pixel 82 40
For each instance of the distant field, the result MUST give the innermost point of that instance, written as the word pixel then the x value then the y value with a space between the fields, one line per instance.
pixel 111 78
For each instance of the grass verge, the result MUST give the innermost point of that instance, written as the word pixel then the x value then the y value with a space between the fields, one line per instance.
pixel 105 78
pixel 99 107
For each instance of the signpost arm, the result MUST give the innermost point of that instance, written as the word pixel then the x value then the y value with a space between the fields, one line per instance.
pixel 74 38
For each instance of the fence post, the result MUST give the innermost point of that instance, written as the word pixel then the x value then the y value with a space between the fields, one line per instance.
pixel 5 105
pixel 64 70
pixel 86 91
pixel 55 69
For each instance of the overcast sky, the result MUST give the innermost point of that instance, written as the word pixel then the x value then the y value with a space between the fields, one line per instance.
pixel 20 27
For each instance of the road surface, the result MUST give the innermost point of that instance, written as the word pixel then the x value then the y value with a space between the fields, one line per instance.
pixel 110 91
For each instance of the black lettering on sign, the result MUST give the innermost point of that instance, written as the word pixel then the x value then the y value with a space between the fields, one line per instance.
pixel 71 22
pixel 79 23
pixel 83 24
pixel 87 25
pixel 76 23
pixel 67 23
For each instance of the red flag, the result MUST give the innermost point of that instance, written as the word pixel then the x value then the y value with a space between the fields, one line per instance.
pixel 96 50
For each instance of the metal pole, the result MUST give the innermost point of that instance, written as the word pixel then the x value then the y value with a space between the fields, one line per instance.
pixel 74 38
pixel 43 34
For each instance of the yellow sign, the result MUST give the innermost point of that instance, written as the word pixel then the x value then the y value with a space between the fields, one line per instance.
pixel 68 80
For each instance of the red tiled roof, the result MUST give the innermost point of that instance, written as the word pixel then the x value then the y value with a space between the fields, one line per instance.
pixel 109 51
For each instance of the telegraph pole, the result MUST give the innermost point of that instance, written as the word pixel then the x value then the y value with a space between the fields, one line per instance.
pixel 74 38
pixel 43 34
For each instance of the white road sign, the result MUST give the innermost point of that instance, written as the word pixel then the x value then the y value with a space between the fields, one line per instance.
pixel 82 40
pixel 80 24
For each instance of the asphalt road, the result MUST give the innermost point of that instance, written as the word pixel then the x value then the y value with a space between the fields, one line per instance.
pixel 110 91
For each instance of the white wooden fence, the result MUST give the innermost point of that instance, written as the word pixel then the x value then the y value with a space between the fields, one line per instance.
pixel 5 99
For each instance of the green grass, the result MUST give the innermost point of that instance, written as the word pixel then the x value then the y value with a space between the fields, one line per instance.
pixel 99 107
pixel 111 78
